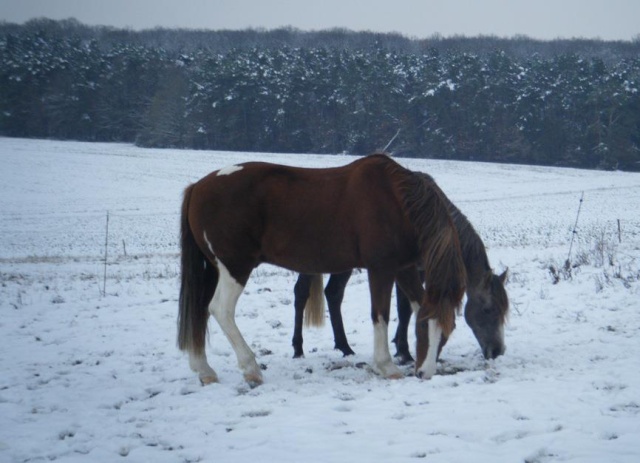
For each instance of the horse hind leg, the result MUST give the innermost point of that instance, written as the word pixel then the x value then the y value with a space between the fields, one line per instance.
pixel 223 308
pixel 199 364
pixel 301 292
pixel 334 292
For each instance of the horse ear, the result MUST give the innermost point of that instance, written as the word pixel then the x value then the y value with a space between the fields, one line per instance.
pixel 503 277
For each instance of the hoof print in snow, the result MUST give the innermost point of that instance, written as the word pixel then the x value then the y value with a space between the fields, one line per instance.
pixel 256 414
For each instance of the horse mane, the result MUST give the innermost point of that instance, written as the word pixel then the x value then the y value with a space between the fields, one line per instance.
pixel 474 252
pixel 426 207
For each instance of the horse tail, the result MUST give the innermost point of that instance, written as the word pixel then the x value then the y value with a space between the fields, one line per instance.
pixel 445 276
pixel 197 285
pixel 314 308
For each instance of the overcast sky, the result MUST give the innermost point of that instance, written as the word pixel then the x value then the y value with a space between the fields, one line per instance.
pixel 542 19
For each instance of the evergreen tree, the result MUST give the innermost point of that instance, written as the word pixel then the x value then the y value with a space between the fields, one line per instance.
pixel 571 103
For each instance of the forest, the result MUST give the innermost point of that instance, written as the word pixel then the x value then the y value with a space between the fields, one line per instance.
pixel 571 103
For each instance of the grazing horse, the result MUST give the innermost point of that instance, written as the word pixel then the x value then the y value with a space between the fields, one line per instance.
pixel 372 214
pixel 485 311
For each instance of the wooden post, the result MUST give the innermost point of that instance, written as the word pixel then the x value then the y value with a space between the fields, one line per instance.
pixel 106 251
pixel 619 232
pixel 567 264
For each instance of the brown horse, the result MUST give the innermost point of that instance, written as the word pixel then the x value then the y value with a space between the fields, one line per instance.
pixel 485 311
pixel 372 214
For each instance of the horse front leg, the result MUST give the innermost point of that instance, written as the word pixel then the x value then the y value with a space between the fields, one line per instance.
pixel 381 286
pixel 430 341
pixel 223 308
pixel 409 292
pixel 401 338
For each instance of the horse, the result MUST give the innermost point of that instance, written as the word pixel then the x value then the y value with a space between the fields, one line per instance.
pixel 485 312
pixel 372 214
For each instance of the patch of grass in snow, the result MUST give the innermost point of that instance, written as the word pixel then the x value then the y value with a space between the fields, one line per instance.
pixel 604 253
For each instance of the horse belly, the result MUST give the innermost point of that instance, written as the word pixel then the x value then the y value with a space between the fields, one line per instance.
pixel 311 250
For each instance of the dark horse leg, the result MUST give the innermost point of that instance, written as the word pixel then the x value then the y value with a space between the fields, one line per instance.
pixel 400 339
pixel 408 282
pixel 334 292
pixel 301 294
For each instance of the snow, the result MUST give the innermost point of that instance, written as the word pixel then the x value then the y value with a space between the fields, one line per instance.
pixel 88 376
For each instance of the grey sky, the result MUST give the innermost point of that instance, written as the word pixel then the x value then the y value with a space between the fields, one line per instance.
pixel 543 19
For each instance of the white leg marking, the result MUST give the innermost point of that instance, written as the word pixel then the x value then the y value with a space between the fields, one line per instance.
pixel 428 367
pixel 382 361
pixel 415 306
pixel 223 308
pixel 208 243
pixel 199 364
pixel 229 170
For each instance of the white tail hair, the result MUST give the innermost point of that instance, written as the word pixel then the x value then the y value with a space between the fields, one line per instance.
pixel 314 308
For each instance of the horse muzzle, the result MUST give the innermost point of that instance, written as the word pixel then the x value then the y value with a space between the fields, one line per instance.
pixel 493 351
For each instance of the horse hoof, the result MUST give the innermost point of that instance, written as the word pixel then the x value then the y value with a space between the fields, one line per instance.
pixel 398 375
pixel 423 375
pixel 346 351
pixel 253 380
pixel 205 380
pixel 404 359
pixel 391 371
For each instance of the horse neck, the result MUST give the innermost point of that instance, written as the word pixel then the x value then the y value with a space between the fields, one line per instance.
pixel 474 254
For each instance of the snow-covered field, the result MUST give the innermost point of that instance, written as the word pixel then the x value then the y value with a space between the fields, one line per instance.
pixel 87 376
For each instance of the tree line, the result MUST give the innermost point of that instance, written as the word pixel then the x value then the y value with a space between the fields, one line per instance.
pixel 566 103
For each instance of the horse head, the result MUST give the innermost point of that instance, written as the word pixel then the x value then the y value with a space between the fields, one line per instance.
pixel 486 311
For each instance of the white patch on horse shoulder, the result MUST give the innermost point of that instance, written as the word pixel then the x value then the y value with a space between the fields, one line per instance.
pixel 208 243
pixel 229 170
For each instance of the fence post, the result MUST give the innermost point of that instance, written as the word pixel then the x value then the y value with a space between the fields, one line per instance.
pixel 619 232
pixel 567 264
pixel 106 251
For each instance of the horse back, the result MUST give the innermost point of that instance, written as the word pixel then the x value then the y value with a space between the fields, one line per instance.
pixel 309 220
